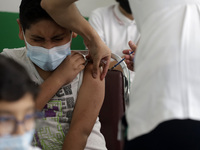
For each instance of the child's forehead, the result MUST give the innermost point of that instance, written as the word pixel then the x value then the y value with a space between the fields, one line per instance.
pixel 48 26
pixel 20 106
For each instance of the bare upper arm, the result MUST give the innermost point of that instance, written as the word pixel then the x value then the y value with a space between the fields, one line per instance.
pixel 89 101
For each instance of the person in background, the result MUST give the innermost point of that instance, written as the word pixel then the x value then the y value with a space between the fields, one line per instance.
pixel 116 26
pixel 70 98
pixel 65 13
pixel 163 113
pixel 17 106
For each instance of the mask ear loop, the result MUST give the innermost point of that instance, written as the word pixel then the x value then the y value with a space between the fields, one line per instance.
pixel 24 36
pixel 71 37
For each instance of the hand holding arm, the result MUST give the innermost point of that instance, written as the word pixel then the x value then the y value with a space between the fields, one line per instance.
pixel 64 74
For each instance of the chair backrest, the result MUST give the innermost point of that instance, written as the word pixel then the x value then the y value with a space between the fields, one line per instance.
pixel 113 108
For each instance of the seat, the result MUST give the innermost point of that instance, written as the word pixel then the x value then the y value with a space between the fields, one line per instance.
pixel 115 102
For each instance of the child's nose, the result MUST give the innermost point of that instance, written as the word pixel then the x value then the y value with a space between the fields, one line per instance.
pixel 49 45
pixel 20 130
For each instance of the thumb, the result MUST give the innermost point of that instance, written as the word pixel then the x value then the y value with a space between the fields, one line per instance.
pixel 96 63
pixel 132 45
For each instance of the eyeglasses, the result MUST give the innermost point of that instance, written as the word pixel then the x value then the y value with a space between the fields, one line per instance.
pixel 8 125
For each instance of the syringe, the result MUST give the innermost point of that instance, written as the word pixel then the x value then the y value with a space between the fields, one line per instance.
pixel 120 61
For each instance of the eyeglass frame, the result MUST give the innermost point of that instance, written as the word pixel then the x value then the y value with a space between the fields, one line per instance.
pixel 35 115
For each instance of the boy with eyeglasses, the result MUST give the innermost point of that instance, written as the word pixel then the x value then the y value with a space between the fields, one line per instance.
pixel 17 106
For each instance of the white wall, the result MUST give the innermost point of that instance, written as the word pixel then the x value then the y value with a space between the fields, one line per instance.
pixel 9 5
pixel 85 6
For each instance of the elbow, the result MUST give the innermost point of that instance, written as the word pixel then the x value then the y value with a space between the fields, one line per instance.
pixel 85 133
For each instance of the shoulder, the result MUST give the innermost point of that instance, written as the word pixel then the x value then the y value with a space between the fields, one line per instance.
pixel 103 9
pixel 14 53
pixel 88 68
pixel 87 77
pixel 17 54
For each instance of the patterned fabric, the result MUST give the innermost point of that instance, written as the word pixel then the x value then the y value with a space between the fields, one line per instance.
pixel 58 115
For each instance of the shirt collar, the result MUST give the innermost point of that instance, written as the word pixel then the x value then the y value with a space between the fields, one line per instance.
pixel 121 19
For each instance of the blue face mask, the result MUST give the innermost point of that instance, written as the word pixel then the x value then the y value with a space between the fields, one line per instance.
pixel 19 142
pixel 48 59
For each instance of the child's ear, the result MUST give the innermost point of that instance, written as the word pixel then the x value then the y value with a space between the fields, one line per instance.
pixel 74 34
pixel 21 36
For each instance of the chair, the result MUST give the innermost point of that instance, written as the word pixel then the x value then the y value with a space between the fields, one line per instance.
pixel 113 108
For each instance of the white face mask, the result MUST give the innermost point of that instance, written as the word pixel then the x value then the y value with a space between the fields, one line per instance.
pixel 19 142
pixel 48 59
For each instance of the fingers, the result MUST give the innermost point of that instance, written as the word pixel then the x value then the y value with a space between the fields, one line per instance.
pixel 129 57
pixel 78 58
pixel 74 53
pixel 95 70
pixel 105 68
pixel 127 51
pixel 132 45
pixel 100 59
pixel 80 64
pixel 129 64
pixel 81 67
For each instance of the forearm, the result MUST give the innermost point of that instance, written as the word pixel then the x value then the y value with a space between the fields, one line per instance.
pixel 47 90
pixel 67 15
pixel 83 120
pixel 64 74
pixel 75 140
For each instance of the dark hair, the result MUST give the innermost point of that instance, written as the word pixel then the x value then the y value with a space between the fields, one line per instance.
pixel 125 5
pixel 15 81
pixel 30 12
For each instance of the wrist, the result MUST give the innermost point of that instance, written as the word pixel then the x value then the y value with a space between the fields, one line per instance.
pixel 58 80
pixel 93 41
pixel 54 5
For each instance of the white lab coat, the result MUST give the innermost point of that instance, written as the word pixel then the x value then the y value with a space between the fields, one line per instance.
pixel 167 64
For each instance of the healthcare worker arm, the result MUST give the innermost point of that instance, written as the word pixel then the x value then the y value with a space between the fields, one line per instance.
pixel 86 111
pixel 96 22
pixel 63 75
pixel 66 14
